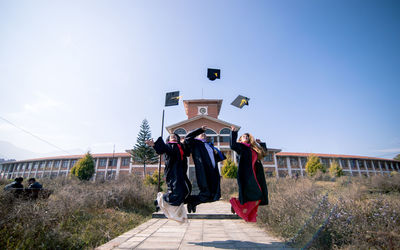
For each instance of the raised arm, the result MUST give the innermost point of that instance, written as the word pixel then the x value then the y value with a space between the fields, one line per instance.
pixel 189 137
pixel 160 147
pixel 233 141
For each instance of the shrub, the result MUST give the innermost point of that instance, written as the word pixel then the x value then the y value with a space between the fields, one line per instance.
pixel 229 169
pixel 77 215
pixel 84 168
pixel 152 180
pixel 314 165
pixel 335 170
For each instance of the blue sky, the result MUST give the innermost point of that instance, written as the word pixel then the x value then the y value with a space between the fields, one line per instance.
pixel 322 76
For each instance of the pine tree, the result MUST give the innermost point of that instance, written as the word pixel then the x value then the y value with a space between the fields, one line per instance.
pixel 397 158
pixel 141 151
pixel 84 168
pixel 314 165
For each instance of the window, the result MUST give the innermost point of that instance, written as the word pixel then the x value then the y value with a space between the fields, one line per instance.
pixel 225 131
pixel 294 162
pixel 224 138
pixel 65 163
pixel 325 162
pixel 102 162
pixel 41 164
pixel 35 165
pixel 268 157
pixel 210 132
pixel 73 162
pixel 281 162
pixel 56 163
pixel 125 161
pixel 213 139
pixel 180 131
pixel 112 162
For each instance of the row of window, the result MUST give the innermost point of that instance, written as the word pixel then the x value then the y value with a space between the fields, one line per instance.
pixel 63 163
pixel 369 164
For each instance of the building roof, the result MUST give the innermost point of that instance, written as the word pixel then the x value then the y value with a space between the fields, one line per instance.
pixel 176 125
pixel 331 156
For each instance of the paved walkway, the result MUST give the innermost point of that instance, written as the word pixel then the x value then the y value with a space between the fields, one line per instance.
pixel 196 234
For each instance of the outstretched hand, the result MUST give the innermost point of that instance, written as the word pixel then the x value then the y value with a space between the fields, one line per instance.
pixel 204 127
pixel 150 142
pixel 233 128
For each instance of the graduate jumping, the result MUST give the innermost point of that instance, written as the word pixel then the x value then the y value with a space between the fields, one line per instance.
pixel 179 187
pixel 251 178
pixel 205 157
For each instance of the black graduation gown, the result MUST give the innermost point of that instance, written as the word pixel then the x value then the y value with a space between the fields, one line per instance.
pixel 252 184
pixel 207 176
pixel 175 172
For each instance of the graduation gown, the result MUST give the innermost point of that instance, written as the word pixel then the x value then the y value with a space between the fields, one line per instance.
pixel 251 177
pixel 207 175
pixel 175 172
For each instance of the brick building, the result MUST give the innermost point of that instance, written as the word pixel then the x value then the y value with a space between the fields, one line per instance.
pixel 199 112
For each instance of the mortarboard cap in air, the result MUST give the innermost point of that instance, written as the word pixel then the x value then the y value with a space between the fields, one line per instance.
pixel 213 74
pixel 240 101
pixel 172 98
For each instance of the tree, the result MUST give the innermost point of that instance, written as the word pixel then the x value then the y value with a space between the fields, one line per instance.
pixel 84 168
pixel 335 170
pixel 229 169
pixel 314 165
pixel 397 158
pixel 141 151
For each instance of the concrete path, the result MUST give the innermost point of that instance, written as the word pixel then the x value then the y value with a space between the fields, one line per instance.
pixel 196 234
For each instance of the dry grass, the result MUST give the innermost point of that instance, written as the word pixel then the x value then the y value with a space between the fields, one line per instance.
pixel 321 213
pixel 77 214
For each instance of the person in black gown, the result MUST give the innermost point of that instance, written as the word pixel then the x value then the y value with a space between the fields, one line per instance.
pixel 205 157
pixel 178 184
pixel 251 178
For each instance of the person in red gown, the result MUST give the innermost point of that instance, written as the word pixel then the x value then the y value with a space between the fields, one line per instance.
pixel 251 178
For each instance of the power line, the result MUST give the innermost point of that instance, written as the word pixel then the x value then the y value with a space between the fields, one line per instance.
pixel 37 137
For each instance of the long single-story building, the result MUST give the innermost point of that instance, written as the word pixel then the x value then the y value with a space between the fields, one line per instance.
pixel 199 112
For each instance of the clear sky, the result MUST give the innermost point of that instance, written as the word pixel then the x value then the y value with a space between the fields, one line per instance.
pixel 322 76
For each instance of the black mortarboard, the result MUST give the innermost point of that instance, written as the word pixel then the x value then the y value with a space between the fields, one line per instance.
pixel 172 98
pixel 240 101
pixel 213 74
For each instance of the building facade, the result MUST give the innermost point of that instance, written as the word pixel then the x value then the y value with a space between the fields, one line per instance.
pixel 199 112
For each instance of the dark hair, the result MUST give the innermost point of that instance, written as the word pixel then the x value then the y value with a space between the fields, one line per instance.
pixel 19 179
pixel 32 179
pixel 178 138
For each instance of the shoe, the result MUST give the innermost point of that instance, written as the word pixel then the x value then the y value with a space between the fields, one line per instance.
pixel 194 209
pixel 233 210
pixel 156 204
pixel 189 208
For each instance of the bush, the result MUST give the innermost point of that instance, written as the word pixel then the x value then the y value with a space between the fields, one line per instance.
pixel 314 165
pixel 335 170
pixel 77 215
pixel 84 168
pixel 229 169
pixel 152 180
